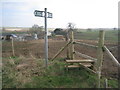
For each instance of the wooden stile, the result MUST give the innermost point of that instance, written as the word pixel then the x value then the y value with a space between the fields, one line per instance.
pixel 91 64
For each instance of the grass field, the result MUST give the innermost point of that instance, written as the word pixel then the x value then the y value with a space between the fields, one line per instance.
pixel 110 35
pixel 36 75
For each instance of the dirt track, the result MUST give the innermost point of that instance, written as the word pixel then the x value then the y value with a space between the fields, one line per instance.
pixel 36 50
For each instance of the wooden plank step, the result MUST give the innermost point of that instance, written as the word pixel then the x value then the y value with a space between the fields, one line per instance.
pixel 77 66
pixel 86 65
pixel 72 66
pixel 80 61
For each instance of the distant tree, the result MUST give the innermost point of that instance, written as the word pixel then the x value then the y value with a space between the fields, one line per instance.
pixel 114 28
pixel 35 29
pixel 89 30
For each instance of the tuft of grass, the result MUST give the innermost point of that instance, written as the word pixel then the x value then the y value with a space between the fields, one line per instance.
pixel 8 77
pixel 113 83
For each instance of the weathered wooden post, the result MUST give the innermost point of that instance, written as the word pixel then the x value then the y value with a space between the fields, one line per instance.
pixel 67 40
pixel 106 83
pixel 71 28
pixel 13 50
pixel 98 65
pixel 46 15
pixel 72 45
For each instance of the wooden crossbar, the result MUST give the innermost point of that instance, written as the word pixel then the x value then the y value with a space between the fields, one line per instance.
pixel 85 44
pixel 61 50
pixel 111 56
pixel 85 56
pixel 80 61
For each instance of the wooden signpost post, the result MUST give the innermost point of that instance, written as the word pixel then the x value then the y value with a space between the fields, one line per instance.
pixel 46 15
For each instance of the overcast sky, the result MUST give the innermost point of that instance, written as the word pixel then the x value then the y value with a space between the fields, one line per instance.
pixel 83 13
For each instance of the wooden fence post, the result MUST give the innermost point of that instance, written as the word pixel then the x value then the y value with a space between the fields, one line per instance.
pixel 72 45
pixel 99 62
pixel 13 51
pixel 67 40
pixel 106 83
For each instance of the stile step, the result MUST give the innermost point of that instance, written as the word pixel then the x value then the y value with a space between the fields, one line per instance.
pixel 72 66
pixel 77 66
pixel 80 61
pixel 86 65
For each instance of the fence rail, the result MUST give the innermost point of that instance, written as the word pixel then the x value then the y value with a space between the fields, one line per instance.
pixel 113 47
pixel 85 44
pixel 111 56
pixel 85 56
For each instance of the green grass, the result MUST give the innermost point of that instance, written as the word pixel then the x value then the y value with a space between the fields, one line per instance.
pixel 113 83
pixel 8 77
pixel 110 36
pixel 54 76
pixel 89 35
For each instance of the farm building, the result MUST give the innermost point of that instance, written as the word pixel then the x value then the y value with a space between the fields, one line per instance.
pixel 8 36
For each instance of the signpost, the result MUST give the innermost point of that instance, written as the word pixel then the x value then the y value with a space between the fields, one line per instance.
pixel 46 15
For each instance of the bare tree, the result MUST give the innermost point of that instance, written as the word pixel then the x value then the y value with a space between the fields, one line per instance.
pixel 71 25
